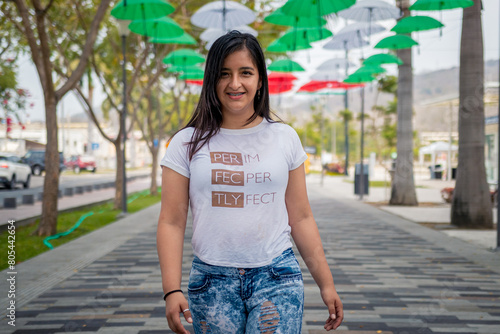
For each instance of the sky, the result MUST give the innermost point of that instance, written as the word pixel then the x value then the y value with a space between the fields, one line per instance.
pixel 435 52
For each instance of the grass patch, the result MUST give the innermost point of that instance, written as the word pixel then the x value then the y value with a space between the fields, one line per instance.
pixel 375 184
pixel 28 245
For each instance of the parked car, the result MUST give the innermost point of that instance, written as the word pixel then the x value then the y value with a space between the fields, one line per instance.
pixel 36 161
pixel 13 170
pixel 81 162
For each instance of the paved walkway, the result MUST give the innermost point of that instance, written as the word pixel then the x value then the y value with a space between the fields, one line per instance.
pixel 393 275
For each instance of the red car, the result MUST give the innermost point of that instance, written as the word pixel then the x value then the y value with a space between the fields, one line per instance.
pixel 81 162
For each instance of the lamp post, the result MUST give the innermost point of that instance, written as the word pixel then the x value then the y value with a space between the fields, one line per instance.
pixel 124 31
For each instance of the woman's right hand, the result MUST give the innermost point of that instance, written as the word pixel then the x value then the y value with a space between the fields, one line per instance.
pixel 175 304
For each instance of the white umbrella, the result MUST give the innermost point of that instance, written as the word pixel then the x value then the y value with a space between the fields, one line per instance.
pixel 223 15
pixel 359 29
pixel 334 63
pixel 370 10
pixel 211 34
pixel 342 43
pixel 328 75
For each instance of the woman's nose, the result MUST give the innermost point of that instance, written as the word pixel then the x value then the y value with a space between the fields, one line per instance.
pixel 235 82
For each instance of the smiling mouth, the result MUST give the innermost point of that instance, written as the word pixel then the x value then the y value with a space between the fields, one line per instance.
pixel 235 94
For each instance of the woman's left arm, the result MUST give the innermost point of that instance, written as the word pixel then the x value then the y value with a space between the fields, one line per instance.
pixel 306 236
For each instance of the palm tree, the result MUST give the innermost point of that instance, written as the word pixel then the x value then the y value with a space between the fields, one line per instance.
pixel 471 206
pixel 403 185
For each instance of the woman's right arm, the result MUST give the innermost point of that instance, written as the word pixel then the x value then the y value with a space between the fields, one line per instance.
pixel 170 242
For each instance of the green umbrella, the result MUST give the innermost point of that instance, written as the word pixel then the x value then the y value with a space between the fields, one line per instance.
pixel 396 42
pixel 183 39
pixel 278 17
pixel 193 75
pixel 183 57
pixel 163 27
pixel 305 35
pixel 285 65
pixel 441 4
pixel 382 58
pixel 280 46
pixel 184 69
pixel 416 23
pixel 359 78
pixel 141 9
pixel 315 8
pixel 370 69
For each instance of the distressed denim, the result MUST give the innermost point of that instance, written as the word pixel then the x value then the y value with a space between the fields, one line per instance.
pixel 268 299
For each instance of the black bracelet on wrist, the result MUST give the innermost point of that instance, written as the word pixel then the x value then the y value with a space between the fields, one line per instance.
pixel 170 292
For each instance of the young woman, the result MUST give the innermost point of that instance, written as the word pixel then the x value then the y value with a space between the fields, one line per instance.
pixel 243 175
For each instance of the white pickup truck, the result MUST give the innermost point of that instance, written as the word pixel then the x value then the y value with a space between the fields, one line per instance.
pixel 13 171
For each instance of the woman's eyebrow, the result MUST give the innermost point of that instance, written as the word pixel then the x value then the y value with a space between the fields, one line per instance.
pixel 241 68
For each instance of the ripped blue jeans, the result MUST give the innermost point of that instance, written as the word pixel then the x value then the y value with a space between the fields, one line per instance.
pixel 268 299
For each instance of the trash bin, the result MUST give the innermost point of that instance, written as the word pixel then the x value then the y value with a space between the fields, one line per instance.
pixel 436 172
pixel 357 179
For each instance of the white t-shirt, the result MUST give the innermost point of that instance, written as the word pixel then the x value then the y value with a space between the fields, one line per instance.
pixel 237 192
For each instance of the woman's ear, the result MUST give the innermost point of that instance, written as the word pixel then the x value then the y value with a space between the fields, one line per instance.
pixel 260 85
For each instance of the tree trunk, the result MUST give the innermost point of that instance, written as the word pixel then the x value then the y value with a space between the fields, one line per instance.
pixel 153 189
pixel 471 206
pixel 48 221
pixel 403 184
pixel 119 174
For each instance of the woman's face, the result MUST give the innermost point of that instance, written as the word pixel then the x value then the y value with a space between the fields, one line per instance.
pixel 238 84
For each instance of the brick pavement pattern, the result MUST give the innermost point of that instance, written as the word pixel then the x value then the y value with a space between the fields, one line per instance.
pixel 393 276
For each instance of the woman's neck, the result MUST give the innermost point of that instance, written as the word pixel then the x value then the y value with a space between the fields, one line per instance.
pixel 232 123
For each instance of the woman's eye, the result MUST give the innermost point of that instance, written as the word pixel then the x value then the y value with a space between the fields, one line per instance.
pixel 247 73
pixel 224 74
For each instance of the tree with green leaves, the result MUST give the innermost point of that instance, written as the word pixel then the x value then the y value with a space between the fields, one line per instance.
pixel 42 27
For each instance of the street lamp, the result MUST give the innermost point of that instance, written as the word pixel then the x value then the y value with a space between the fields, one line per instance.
pixel 124 31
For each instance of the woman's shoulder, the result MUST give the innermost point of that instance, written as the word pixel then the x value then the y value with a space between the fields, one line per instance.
pixel 183 135
pixel 282 127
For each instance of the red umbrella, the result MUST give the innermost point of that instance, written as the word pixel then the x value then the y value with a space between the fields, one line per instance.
pixel 280 82
pixel 315 85
pixel 195 82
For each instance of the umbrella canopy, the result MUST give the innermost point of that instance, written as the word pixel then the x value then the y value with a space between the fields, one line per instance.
pixel 396 42
pixel 305 35
pixel 184 69
pixel 141 9
pixel 194 74
pixel 280 82
pixel 280 77
pixel 358 78
pixel 382 58
pixel 185 38
pixel 315 85
pixel 211 34
pixel 441 4
pixel 280 87
pixel 163 27
pixel 416 23
pixel 370 10
pixel 223 15
pixel 285 65
pixel 335 64
pixel 194 82
pixel 359 29
pixel 278 17
pixel 371 69
pixel 315 8
pixel 183 57
pixel 342 43
pixel 327 76
pixel 280 46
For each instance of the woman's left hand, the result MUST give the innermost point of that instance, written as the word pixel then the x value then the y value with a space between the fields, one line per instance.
pixel 335 308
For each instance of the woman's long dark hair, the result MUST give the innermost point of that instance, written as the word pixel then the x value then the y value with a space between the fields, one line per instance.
pixel 207 117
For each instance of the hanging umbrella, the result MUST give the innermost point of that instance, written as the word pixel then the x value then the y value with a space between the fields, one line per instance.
pixel 334 63
pixel 305 35
pixel 440 4
pixel 285 65
pixel 280 77
pixel 315 8
pixel 370 69
pixel 396 42
pixel 278 17
pixel 194 82
pixel 342 43
pixel 327 75
pixel 223 15
pixel 141 9
pixel 280 87
pixel 315 85
pixel 382 58
pixel 163 27
pixel 193 75
pixel 416 23
pixel 183 57
pixel 359 29
pixel 211 34
pixel 280 46
pixel 357 78
pixel 371 10
pixel 184 69
pixel 185 38
pixel 280 82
